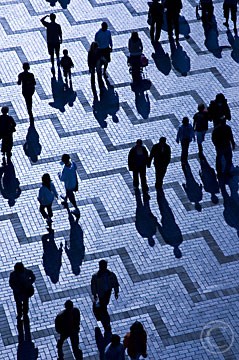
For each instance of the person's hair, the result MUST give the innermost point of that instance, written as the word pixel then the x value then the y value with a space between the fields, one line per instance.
pixel 52 17
pixel 19 267
pixel 46 180
pixel 68 304
pixel 26 66
pixel 201 107
pixel 65 52
pixel 136 328
pixel 162 139
pixel 134 36
pixel 103 264
pixel 139 142
pixel 220 97
pixel 65 158
pixel 115 339
pixel 94 45
pixel 5 109
pixel 185 120
pixel 104 26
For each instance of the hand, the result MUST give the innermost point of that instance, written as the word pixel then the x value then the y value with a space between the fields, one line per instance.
pixel 116 296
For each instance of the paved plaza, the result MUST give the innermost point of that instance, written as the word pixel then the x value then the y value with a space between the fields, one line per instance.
pixel 175 299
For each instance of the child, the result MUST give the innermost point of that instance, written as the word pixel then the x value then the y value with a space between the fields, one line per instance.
pixel 46 196
pixel 66 64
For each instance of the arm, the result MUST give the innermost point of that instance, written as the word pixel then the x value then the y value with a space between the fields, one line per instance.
pixel 45 23
pixel 60 33
pixel 111 42
pixel 178 135
pixel 115 285
pixel 232 140
pixel 94 287
pixel 151 156
pixel 53 189
pixel 32 277
pixel 19 79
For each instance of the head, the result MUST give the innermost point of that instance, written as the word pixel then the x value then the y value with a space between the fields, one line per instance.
pixel 115 340
pixel 26 66
pixel 5 110
pixel 134 35
pixel 220 97
pixel 201 107
pixel 139 142
pixel 104 26
pixel 19 267
pixel 136 327
pixel 185 121
pixel 52 17
pixel 162 140
pixel 103 265
pixel 68 305
pixel 46 180
pixel 65 52
pixel 65 159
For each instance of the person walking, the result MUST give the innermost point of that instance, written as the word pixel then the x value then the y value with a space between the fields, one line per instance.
pixel 28 82
pixel 155 13
pixel 7 128
pixel 54 38
pixel 67 324
pixel 66 64
pixel 184 136
pixel 218 109
pixel 46 195
pixel 135 48
pixel 161 153
pixel 102 284
pixel 69 177
pixel 94 64
pixel 230 6
pixel 200 126
pixel 114 350
pixel 173 11
pixel 222 138
pixel 104 40
pixel 136 341
pixel 137 162
pixel 21 280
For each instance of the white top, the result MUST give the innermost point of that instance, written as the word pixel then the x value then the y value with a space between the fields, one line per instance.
pixel 69 177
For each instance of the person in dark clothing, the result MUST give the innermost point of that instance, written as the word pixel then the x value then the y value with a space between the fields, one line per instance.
pixel 136 341
pixel 21 280
pixel 161 153
pixel 184 136
pixel 104 40
pixel 223 141
pixel 230 6
pixel 102 284
pixel 67 324
pixel 219 108
pixel 94 64
pixel 173 10
pixel 28 82
pixel 137 162
pixel 66 64
pixel 200 126
pixel 206 6
pixel 114 350
pixel 156 14
pixel 7 128
pixel 54 38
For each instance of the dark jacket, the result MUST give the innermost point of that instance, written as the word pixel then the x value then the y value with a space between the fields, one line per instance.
pixel 160 154
pixel 68 321
pixel 53 32
pixel 21 284
pixel 66 62
pixel 222 137
pixel 135 161
pixel 28 82
pixel 103 282
pixel 200 121
pixel 173 5
pixel 93 57
pixel 156 11
pixel 7 126
pixel 218 109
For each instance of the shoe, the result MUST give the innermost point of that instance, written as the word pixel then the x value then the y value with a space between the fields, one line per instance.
pixel 76 212
pixel 49 221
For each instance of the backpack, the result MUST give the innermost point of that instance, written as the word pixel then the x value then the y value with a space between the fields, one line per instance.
pixel 59 323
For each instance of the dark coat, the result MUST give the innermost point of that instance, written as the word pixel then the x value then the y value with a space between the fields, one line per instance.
pixel 21 284
pixel 222 137
pixel 136 162
pixel 161 158
pixel 68 321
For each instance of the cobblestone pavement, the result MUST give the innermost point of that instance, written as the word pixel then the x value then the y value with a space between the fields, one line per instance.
pixel 174 298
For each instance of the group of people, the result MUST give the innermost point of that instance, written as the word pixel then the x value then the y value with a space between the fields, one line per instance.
pixel 67 322
pixel 222 137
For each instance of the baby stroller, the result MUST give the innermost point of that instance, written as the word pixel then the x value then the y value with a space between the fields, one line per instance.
pixel 136 66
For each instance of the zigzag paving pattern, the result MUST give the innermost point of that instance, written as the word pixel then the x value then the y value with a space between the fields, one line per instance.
pixel 174 298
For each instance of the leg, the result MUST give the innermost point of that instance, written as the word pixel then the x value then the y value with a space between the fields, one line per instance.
pixel 158 30
pixel 99 74
pixel 143 179
pixel 105 320
pixel 226 14
pixel 228 160
pixel 160 173
pixel 219 161
pixel 28 100
pixel 184 154
pixel 43 211
pixel 57 51
pixel 75 345
pixel 19 308
pixel 59 346
pixel 152 31
pixel 176 25
pixel 234 16
pixel 25 304
pixel 169 23
pixel 51 53
pixel 70 195
pixel 136 179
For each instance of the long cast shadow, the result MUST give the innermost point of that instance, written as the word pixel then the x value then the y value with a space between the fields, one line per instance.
pixel 161 59
pixel 61 95
pixel 9 183
pixel 102 341
pixel 192 188
pixel 51 257
pixel 180 59
pixel 26 349
pixel 209 180
pixel 234 42
pixel 63 3
pixel 142 102
pixel 32 146
pixel 211 38
pixel 168 229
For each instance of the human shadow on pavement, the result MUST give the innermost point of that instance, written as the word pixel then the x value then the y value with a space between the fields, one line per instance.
pixel 107 104
pixel 184 28
pixel 9 184
pixel 168 229
pixel 62 95
pixel 142 102
pixel 180 59
pixel 192 188
pixel 63 3
pixel 32 146
pixel 234 42
pixel 75 248
pixel 102 341
pixel 52 257
pixel 145 221
pixel 211 38
pixel 209 180
pixel 26 349
pixel 161 59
